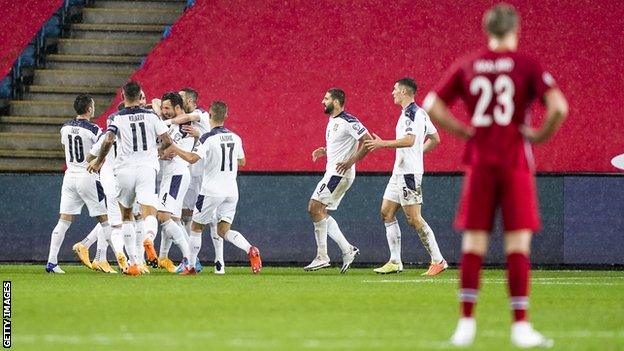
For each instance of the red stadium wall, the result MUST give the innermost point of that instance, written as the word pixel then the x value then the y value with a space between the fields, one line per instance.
pixel 272 61
pixel 19 22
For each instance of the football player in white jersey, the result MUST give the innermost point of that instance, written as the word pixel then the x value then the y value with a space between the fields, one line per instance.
pixel 404 188
pixel 175 179
pixel 135 129
pixel 222 152
pixel 200 125
pixel 343 134
pixel 79 186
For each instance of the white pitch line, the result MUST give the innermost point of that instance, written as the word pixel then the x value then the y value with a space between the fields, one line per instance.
pixel 536 281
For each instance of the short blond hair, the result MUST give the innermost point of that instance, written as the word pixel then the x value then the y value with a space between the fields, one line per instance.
pixel 500 20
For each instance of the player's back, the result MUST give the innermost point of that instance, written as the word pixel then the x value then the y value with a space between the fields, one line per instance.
pixel 498 89
pixel 222 149
pixel 77 137
pixel 137 129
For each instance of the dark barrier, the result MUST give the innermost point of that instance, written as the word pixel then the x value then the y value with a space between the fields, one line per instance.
pixel 582 219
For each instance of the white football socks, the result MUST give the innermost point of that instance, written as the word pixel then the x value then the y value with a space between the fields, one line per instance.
pixel 102 243
pixel 92 237
pixel 393 235
pixel 150 227
pixel 117 241
pixel 140 236
pixel 429 242
pixel 177 236
pixel 129 235
pixel 335 233
pixel 320 234
pixel 196 242
pixel 217 242
pixel 58 235
pixel 238 240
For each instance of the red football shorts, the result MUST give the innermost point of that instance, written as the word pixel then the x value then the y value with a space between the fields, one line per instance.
pixel 486 188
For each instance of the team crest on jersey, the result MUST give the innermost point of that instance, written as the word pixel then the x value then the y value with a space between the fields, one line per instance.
pixel 335 127
pixel 356 126
pixel 408 122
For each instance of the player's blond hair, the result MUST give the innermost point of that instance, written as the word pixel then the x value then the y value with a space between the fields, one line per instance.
pixel 500 20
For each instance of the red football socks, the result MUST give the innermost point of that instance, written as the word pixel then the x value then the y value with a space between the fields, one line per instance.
pixel 518 272
pixel 469 282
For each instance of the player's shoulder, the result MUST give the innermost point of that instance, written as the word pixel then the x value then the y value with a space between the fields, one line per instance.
pixel 135 110
pixel 347 117
pixel 214 132
pixel 84 124
pixel 412 111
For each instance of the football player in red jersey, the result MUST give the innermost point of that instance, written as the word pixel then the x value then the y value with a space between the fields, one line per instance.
pixel 498 86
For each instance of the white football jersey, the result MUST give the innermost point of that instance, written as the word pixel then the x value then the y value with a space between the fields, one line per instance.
pixel 342 136
pixel 220 149
pixel 185 142
pixel 109 161
pixel 137 129
pixel 415 121
pixel 77 137
pixel 197 168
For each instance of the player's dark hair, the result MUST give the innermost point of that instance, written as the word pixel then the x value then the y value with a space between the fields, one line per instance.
pixel 218 110
pixel 82 103
pixel 409 83
pixel 192 93
pixel 337 94
pixel 175 98
pixel 132 91
pixel 500 20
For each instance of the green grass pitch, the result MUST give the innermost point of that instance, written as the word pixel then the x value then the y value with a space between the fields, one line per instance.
pixel 289 309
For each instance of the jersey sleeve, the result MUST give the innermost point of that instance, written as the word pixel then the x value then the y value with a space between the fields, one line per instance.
pixel 200 149
pixel 540 80
pixel 356 129
pixel 97 147
pixel 450 87
pixel 112 127
pixel 240 154
pixel 429 126
pixel 159 126
pixel 63 138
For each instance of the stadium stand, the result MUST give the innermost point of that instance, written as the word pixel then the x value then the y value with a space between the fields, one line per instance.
pixel 83 46
pixel 272 66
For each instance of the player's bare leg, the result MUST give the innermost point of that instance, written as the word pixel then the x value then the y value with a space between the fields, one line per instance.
pixel 389 210
pixel 474 247
pixel 427 238
pixel 56 240
pixel 517 249
pixel 236 238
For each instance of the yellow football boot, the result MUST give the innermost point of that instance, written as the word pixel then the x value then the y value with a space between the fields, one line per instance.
pixel 389 268
pixel 166 263
pixel 83 254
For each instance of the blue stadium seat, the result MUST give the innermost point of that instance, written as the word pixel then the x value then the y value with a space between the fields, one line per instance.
pixel 28 57
pixel 166 32
pixel 52 28
pixel 189 3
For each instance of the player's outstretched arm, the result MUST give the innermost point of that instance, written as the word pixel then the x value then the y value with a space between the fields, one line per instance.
pixel 377 143
pixel 187 156
pixel 96 164
pixel 440 113
pixel 433 140
pixel 362 151
pixel 185 118
pixel 556 113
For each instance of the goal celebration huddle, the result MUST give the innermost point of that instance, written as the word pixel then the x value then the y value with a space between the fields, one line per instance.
pixel 172 165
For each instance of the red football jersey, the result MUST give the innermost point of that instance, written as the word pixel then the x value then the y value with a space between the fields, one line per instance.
pixel 497 88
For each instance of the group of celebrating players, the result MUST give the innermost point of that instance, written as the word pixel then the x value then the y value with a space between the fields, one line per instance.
pixel 198 159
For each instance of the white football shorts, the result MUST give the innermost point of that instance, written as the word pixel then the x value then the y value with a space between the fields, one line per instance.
pixel 209 207
pixel 331 189
pixel 81 189
pixel 404 189
pixel 173 188
pixel 136 184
